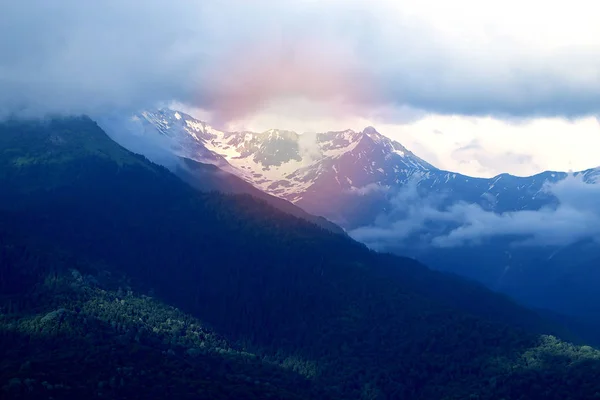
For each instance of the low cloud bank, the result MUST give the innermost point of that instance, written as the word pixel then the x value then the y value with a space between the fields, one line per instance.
pixel 414 218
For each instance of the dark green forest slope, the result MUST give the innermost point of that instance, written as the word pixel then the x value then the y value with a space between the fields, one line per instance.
pixel 82 331
pixel 118 280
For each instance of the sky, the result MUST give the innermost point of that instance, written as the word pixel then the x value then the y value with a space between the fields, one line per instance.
pixel 479 87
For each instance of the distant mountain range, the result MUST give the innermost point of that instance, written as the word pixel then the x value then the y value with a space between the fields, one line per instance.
pixel 363 179
pixel 334 174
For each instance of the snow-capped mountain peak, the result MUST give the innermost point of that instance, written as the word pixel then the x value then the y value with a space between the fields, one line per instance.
pixel 285 163
pixel 346 176
pixel 372 134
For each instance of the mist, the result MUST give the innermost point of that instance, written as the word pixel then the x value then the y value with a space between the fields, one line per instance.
pixel 137 137
pixel 426 220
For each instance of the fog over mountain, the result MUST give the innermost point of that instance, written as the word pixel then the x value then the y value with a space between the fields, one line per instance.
pixel 572 216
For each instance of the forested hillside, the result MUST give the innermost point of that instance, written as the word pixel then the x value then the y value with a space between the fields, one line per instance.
pixel 118 280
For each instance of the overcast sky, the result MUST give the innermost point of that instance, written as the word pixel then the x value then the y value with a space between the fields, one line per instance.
pixel 480 87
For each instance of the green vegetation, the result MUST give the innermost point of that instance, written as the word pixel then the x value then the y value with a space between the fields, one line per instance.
pixel 109 266
pixel 66 141
pixel 85 333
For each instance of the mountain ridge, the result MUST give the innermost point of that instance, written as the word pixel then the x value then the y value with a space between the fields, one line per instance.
pixel 344 176
pixel 276 161
pixel 369 132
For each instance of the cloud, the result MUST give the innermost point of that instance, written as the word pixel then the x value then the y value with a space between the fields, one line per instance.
pixel 368 189
pixel 425 220
pixel 309 147
pixel 72 56
pixel 367 58
pixel 140 138
pixel 486 162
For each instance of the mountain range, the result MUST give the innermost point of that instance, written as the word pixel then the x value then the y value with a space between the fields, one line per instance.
pixel 324 171
pixel 391 199
pixel 118 279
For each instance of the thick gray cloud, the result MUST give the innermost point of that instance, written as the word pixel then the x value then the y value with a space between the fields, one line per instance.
pixel 575 217
pixel 234 56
